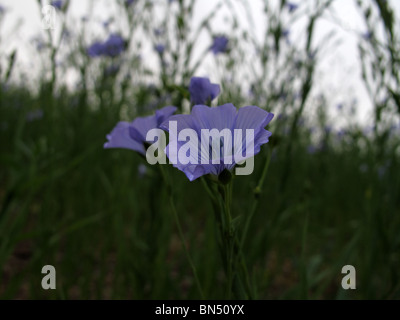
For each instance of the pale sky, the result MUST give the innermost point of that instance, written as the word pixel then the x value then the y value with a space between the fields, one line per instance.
pixel 340 72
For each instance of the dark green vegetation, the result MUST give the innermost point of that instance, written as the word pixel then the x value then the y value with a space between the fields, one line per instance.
pixel 329 199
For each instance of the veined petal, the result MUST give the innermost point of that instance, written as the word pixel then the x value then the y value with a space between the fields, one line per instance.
pixel 140 126
pixel 252 117
pixel 221 117
pixel 164 113
pixel 120 138
pixel 183 121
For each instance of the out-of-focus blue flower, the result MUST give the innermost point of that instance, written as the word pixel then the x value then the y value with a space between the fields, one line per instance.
pixel 160 48
pixel 2 9
pixel 34 115
pixel 57 4
pixel 107 23
pixel 96 49
pixel 220 118
pixel 202 90
pixel 114 45
pixel 132 135
pixel 129 2
pixel 285 33
pixel 339 106
pixel 220 45
pixel 292 6
pixel 367 35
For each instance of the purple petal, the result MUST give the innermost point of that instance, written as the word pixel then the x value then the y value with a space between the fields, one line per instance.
pixel 261 138
pixel 220 45
pixel 252 117
pixel 215 90
pixel 164 113
pixel 202 90
pixel 140 126
pixel 120 138
pixel 183 121
pixel 96 49
pixel 221 117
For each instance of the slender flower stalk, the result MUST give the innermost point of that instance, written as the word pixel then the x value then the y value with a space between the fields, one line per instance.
pixel 257 192
pixel 233 259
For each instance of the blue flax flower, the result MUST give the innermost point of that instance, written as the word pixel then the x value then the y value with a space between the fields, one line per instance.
pixel 160 48
pixel 222 117
pixel 96 49
pixel 292 6
pixel 286 33
pixel 367 35
pixel 132 135
pixel 57 4
pixel 202 90
pixel 220 45
pixel 112 47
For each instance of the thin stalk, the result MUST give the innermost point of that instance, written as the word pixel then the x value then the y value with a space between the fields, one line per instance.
pixel 257 192
pixel 228 237
pixel 230 249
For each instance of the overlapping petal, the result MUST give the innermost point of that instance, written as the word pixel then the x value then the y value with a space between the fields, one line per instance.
pixel 133 135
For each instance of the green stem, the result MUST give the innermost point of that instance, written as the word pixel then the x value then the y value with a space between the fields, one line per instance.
pixel 233 258
pixel 229 238
pixel 257 192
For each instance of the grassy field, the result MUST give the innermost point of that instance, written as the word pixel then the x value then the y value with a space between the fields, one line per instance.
pixel 105 218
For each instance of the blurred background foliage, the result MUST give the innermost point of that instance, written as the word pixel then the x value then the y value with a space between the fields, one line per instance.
pixel 101 217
